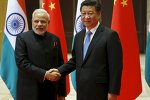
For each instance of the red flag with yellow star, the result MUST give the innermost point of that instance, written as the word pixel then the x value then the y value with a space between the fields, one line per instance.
pixel 56 27
pixel 123 22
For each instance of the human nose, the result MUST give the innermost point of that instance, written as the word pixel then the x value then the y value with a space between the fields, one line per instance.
pixel 39 23
pixel 87 16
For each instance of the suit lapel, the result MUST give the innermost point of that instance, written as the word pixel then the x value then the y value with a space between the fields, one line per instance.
pixel 96 37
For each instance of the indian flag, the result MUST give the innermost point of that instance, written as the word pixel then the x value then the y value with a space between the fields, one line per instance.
pixel 147 59
pixel 15 23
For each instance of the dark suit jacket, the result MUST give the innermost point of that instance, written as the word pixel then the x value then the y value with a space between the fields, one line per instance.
pixel 34 55
pixel 100 72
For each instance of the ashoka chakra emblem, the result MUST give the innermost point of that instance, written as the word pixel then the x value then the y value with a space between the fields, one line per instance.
pixel 79 25
pixel 15 24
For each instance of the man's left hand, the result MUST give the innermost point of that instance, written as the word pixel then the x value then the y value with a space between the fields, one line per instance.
pixel 112 96
pixel 60 98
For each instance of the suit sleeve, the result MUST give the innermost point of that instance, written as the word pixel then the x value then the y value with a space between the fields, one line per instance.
pixel 23 63
pixel 114 50
pixel 70 66
pixel 62 80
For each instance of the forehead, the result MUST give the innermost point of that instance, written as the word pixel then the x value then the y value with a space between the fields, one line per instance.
pixel 40 16
pixel 88 8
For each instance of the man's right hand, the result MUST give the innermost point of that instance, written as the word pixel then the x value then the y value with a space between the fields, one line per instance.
pixel 52 75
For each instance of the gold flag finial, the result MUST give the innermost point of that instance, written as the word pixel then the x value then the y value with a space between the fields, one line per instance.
pixel 115 2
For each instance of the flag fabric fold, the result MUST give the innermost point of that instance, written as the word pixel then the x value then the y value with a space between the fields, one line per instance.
pixel 147 62
pixel 15 23
pixel 123 22
pixel 56 27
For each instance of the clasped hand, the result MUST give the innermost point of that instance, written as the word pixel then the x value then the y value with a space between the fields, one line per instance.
pixel 52 74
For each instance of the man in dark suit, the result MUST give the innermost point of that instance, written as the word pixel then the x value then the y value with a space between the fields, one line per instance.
pixel 99 70
pixel 36 52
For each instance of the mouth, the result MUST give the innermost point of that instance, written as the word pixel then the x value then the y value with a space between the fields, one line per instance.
pixel 86 22
pixel 39 29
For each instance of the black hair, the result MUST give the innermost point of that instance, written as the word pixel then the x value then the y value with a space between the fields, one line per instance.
pixel 94 3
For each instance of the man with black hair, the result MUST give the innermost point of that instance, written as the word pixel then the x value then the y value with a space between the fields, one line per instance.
pixel 96 57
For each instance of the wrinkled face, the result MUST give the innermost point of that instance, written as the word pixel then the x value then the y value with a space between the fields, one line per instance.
pixel 89 16
pixel 40 23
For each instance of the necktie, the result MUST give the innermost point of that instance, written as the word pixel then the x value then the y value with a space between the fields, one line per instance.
pixel 86 44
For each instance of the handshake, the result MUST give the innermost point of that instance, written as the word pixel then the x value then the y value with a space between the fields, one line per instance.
pixel 52 75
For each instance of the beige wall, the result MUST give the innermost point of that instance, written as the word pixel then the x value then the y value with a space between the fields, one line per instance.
pixel 3 5
pixel 148 11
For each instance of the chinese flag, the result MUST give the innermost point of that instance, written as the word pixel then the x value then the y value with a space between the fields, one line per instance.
pixel 56 27
pixel 123 22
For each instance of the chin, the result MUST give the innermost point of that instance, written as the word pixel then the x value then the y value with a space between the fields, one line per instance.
pixel 39 33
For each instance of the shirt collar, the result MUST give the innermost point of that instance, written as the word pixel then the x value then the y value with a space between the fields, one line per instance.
pixel 93 30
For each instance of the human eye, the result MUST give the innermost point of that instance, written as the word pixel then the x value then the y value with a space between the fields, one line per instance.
pixel 36 21
pixel 83 13
pixel 90 13
pixel 43 21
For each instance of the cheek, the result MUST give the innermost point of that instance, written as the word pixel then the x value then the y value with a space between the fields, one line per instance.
pixel 95 19
pixel 46 26
pixel 33 24
pixel 82 19
pixel 98 17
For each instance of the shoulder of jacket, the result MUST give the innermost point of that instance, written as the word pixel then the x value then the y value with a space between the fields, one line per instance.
pixel 52 35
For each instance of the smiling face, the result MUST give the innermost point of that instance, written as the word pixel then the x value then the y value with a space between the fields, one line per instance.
pixel 89 16
pixel 40 23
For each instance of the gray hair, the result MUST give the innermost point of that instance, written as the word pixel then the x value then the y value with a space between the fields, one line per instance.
pixel 41 11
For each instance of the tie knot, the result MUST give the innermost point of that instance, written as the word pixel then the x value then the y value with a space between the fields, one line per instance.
pixel 89 33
